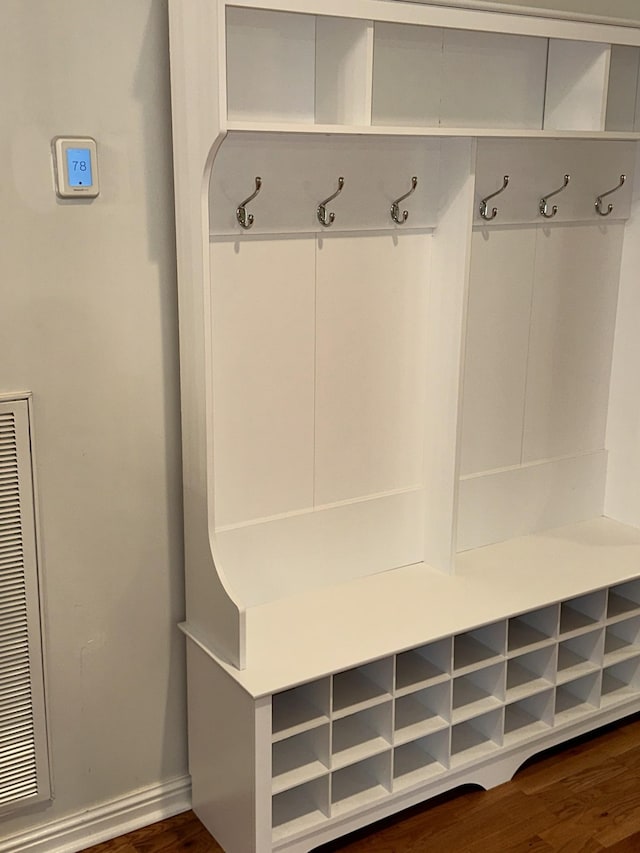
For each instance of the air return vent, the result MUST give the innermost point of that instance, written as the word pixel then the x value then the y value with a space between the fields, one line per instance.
pixel 24 765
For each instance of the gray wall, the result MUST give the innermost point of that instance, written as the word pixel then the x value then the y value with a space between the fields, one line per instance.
pixel 629 9
pixel 88 323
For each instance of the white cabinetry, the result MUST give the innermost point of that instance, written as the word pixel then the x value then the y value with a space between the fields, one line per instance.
pixel 412 538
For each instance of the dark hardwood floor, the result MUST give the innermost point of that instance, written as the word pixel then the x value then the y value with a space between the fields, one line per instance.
pixel 580 798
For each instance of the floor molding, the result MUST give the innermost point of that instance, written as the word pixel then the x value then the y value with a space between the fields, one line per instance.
pixel 101 823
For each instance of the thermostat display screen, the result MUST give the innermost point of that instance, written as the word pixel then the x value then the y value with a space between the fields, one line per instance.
pixel 79 167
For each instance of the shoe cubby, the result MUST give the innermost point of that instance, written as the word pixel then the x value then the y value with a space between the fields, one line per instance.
pixel 478 691
pixel 582 613
pixel 476 738
pixel 528 717
pixel 532 630
pixel 420 760
pixel 418 668
pixel 300 708
pixel 622 640
pixel 623 600
pixel 362 687
pixel 300 808
pixel 361 735
pixel 359 784
pixel 621 681
pixel 422 713
pixel 300 758
pixel 577 698
pixel 531 673
pixel 479 648
pixel 580 655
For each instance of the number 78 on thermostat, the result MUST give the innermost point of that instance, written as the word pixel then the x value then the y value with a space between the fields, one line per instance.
pixel 76 166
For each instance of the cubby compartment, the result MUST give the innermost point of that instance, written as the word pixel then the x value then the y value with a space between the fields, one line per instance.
pixel 580 614
pixel 477 692
pixel 531 630
pixel 362 687
pixel 428 76
pixel 420 760
pixel 479 648
pixel 425 665
pixel 361 735
pixel 301 708
pixel 300 758
pixel 422 713
pixel 577 74
pixel 622 640
pixel 623 600
pixel 530 673
pixel 474 739
pixel 577 698
pixel 360 784
pixel 580 655
pixel 286 67
pixel 528 717
pixel 621 682
pixel 300 808
pixel 623 95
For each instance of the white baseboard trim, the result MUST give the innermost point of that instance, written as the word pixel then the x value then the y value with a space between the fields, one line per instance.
pixel 101 823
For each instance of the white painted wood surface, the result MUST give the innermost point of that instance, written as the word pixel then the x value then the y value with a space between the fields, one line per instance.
pixel 344 60
pixel 623 94
pixel 263 377
pixel 370 356
pixel 577 78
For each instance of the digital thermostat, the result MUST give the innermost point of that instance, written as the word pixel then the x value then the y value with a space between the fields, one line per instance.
pixel 76 162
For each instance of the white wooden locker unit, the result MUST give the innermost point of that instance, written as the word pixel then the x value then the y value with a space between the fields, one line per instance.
pixel 411 448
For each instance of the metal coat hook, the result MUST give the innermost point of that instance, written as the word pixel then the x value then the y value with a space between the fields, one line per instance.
pixel 483 204
pixel 324 217
pixel 599 198
pixel 246 219
pixel 395 206
pixel 544 201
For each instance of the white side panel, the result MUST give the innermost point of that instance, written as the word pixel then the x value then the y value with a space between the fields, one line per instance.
pixel 577 82
pixel 572 325
pixel 270 65
pixel 285 556
pixel 229 756
pixel 492 80
pixel 623 427
pixel 407 75
pixel 500 289
pixel 370 356
pixel 344 61
pixel 623 88
pixel 446 319
pixel 263 376
pixel 505 504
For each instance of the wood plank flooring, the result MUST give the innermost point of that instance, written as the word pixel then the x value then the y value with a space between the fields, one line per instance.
pixel 583 797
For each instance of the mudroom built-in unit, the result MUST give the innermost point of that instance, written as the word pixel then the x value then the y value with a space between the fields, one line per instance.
pixel 408 253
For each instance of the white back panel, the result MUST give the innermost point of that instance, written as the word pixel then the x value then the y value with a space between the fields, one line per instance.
pixel 263 377
pixel 622 97
pixel 371 310
pixel 499 310
pixel 577 76
pixel 572 325
pixel 344 57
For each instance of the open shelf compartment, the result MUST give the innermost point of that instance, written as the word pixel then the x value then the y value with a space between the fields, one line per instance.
pixel 530 673
pixel 425 665
pixel 420 760
pixel 575 699
pixel 528 717
pixel 623 600
pixel 475 649
pixel 361 735
pixel 359 784
pixel 300 708
pixel 474 739
pixel 622 640
pixel 478 691
pixel 362 687
pixel 621 682
pixel 532 630
pixel 582 613
pixel 580 655
pixel 300 758
pixel 300 808
pixel 422 713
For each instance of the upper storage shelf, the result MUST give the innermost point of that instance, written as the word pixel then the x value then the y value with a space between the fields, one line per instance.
pixel 318 73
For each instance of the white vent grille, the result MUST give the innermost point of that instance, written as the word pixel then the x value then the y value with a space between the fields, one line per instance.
pixel 24 772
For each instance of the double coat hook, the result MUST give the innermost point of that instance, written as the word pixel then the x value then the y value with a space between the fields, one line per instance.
pixel 606 212
pixel 395 206
pixel 246 219
pixel 484 208
pixel 324 216
pixel 544 201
